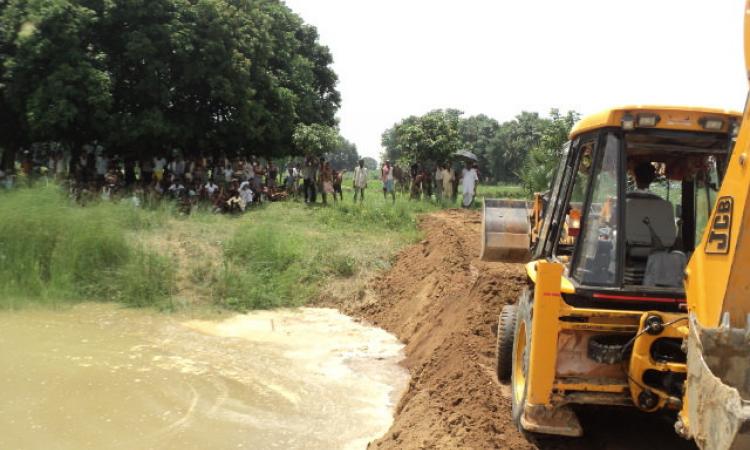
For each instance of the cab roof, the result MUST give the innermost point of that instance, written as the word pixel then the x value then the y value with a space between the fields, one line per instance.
pixel 681 118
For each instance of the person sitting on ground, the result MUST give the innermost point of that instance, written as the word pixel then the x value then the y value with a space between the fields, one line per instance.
pixel 246 193
pixel 210 189
pixel 176 189
pixel 220 200
pixel 234 203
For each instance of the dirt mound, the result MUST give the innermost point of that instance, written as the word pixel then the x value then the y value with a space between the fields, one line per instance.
pixel 443 303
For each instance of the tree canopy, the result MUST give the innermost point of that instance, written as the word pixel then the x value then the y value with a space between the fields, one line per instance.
pixel 523 150
pixel 344 156
pixel 144 76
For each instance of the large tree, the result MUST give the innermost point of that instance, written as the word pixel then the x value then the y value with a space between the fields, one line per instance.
pixel 545 155
pixel 519 150
pixel 431 137
pixel 57 86
pixel 315 139
pixel 146 76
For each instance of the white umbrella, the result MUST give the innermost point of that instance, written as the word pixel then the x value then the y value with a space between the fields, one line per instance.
pixel 466 154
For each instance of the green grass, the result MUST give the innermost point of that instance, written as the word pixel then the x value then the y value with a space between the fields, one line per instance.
pixel 507 191
pixel 53 252
pixel 284 254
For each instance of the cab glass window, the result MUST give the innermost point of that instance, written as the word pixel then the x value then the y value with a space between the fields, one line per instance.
pixel 596 263
pixel 573 208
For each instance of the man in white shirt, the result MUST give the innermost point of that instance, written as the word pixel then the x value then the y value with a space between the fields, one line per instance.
pixel 211 188
pixel 470 180
pixel 360 181
pixel 102 164
pixel 177 167
pixel 176 188
pixel 246 194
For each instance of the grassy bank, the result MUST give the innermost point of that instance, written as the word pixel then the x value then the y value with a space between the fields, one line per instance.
pixel 52 251
pixel 281 254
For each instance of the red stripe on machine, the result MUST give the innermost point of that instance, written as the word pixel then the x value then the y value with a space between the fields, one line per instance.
pixel 639 299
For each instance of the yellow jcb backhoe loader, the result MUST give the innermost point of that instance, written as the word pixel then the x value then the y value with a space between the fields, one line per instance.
pixel 639 281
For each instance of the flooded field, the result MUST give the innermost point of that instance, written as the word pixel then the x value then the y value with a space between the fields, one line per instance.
pixel 99 376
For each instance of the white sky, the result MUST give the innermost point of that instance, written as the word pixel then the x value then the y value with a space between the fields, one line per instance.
pixel 396 58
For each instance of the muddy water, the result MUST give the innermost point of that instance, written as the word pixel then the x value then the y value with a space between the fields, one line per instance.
pixel 102 377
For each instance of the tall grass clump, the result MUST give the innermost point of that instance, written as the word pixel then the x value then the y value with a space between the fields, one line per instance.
pixel 53 250
pixel 265 267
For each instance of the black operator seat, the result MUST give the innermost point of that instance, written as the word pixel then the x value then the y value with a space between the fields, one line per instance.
pixel 651 233
pixel 659 213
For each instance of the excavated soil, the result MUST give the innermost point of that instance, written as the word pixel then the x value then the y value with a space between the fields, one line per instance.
pixel 443 303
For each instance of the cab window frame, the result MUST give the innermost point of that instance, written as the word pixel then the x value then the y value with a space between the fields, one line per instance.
pixel 619 255
pixel 595 137
pixel 541 248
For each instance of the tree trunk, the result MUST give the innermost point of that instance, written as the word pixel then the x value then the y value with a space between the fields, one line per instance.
pixel 8 160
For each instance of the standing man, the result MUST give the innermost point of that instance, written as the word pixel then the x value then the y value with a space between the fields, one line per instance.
pixel 272 175
pixel 470 180
pixel 309 175
pixel 438 183
pixel 102 165
pixel 360 181
pixel 386 175
pixel 160 164
pixel 447 180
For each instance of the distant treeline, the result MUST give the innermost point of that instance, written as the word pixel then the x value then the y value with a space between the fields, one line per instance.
pixel 143 77
pixel 522 150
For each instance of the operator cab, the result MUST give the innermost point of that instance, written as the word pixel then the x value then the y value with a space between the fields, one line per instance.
pixel 630 200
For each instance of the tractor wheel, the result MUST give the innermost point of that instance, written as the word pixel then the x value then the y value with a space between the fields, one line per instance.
pixel 521 350
pixel 506 330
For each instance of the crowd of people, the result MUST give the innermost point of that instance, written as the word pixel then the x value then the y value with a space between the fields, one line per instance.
pixel 232 185
pixel 422 180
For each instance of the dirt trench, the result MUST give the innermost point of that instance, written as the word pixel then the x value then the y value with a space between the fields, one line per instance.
pixel 443 303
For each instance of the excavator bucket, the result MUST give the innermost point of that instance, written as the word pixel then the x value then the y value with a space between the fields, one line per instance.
pixel 506 231
pixel 718 386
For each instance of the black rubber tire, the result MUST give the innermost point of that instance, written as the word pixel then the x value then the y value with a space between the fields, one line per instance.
pixel 608 348
pixel 506 331
pixel 518 396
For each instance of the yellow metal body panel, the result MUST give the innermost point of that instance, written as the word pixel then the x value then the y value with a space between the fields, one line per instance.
pixel 641 361
pixel 551 316
pixel 717 275
pixel 681 118
pixel 566 286
pixel 544 322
